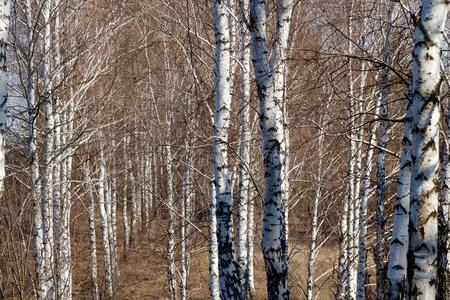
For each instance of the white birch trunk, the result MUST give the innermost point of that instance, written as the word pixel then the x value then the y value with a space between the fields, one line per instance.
pixel 104 224
pixel 397 262
pixel 58 175
pixel 186 203
pixel 354 167
pixel 4 28
pixel 343 251
pixel 56 196
pixel 228 269
pixel 47 281
pixel 107 203
pixel 250 247
pixel 33 156
pixel 379 254
pixel 146 194
pixel 351 289
pixel 91 226
pixel 113 191
pixel 314 221
pixel 65 174
pixel 126 229
pixel 425 149
pixel 270 77
pixel 362 226
pixel 214 290
pixel 171 279
pixel 243 197
pixel 150 183
pixel 138 199
pixel 134 211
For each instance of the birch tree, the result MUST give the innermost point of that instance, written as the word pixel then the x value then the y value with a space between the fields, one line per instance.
pixel 104 224
pixel 422 254
pixel 268 81
pixel 381 176
pixel 92 234
pixel 170 229
pixel 397 261
pixel 244 189
pixel 362 226
pixel 343 250
pixel 126 228
pixel 4 31
pixel 213 251
pixel 186 212
pixel 33 157
pixel 314 222
pixel 47 273
pixel 228 268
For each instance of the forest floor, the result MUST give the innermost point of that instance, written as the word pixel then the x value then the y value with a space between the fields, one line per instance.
pixel 143 272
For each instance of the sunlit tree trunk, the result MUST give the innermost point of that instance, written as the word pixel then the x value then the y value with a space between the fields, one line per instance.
pixel 108 205
pixel 352 163
pixel 171 275
pixel 48 277
pixel 244 193
pixel 315 210
pixel 126 228
pixel 343 249
pixel 104 224
pixel 381 177
pixel 65 152
pixel 250 246
pixel 139 181
pixel 134 217
pixel 422 267
pixel 58 175
pixel 91 226
pixel 146 195
pixel 270 79
pixel 228 269
pixel 362 211
pixel 113 221
pixel 33 153
pixel 397 262
pixel 186 203
pixel 214 291
pixel 4 29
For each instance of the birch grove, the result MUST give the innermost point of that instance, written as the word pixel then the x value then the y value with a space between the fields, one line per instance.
pixel 224 149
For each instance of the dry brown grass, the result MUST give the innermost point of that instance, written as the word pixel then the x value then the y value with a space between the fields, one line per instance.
pixel 143 272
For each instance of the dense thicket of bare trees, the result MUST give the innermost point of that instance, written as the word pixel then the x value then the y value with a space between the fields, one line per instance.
pixel 236 149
